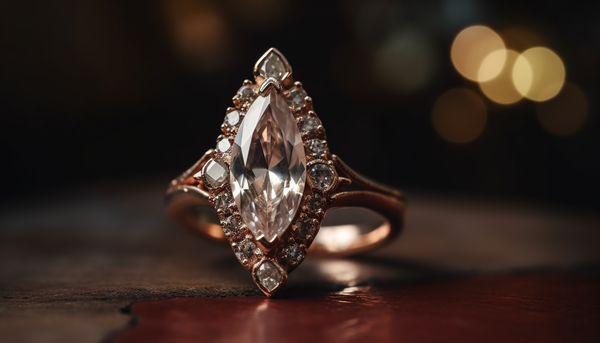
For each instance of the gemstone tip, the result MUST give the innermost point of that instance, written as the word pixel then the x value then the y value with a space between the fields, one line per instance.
pixel 272 64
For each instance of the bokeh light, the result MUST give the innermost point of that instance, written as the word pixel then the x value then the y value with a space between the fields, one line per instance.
pixel 470 48
pixel 459 115
pixel 492 65
pixel 200 33
pixel 565 113
pixel 501 89
pixel 539 74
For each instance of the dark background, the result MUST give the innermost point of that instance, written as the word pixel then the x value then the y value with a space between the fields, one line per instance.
pixel 103 91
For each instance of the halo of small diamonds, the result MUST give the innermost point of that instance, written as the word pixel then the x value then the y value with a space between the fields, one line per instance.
pixel 271 263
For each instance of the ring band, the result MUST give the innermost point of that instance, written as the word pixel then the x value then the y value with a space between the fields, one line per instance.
pixel 271 179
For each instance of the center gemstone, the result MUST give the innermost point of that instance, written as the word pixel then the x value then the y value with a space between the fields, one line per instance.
pixel 268 167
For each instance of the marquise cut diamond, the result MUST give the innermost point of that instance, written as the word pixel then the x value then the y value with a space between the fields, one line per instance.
pixel 268 167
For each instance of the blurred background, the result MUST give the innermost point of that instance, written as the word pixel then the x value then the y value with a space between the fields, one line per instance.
pixel 485 112
pixel 492 99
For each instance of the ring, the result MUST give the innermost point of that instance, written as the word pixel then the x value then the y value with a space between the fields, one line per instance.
pixel 271 179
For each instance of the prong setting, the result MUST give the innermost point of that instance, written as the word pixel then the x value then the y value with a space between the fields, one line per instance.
pixel 268 84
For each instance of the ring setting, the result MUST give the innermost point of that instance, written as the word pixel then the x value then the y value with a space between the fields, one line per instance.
pixel 271 179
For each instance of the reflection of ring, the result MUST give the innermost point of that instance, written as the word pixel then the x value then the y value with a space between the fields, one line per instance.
pixel 271 179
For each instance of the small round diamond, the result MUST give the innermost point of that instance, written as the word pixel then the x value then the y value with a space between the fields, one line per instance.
pixel 293 253
pixel 246 93
pixel 215 173
pixel 322 176
pixel 223 145
pixel 246 251
pixel 269 276
pixel 317 147
pixel 232 118
pixel 232 225
pixel 223 201
pixel 296 98
pixel 314 203
pixel 310 126
pixel 306 227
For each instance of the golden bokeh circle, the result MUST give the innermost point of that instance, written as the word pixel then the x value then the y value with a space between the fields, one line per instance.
pixel 501 89
pixel 538 74
pixel 459 115
pixel 470 47
pixel 565 113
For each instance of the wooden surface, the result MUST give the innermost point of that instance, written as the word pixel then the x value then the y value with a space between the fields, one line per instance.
pixel 102 264
pixel 542 307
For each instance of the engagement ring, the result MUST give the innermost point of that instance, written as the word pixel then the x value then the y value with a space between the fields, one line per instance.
pixel 272 179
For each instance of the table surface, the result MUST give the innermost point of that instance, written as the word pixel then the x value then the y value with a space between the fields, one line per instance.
pixel 103 263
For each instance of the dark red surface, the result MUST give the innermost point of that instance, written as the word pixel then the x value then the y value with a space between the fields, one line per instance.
pixel 547 307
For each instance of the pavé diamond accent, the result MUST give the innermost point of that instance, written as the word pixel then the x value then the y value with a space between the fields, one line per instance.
pixel 223 145
pixel 232 118
pixel 232 225
pixel 306 227
pixel 296 98
pixel 317 147
pixel 268 167
pixel 314 203
pixel 246 251
pixel 269 275
pixel 223 201
pixel 293 253
pixel 322 176
pixel 310 126
pixel 246 93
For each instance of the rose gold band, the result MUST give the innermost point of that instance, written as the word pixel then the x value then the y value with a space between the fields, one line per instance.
pixel 188 206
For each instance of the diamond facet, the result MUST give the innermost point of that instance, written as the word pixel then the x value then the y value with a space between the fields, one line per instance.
pixel 269 275
pixel 268 167
pixel 215 173
pixel 272 66
pixel 322 176
pixel 232 118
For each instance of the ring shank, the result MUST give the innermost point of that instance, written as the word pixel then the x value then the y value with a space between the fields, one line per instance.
pixel 354 239
pixel 188 207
